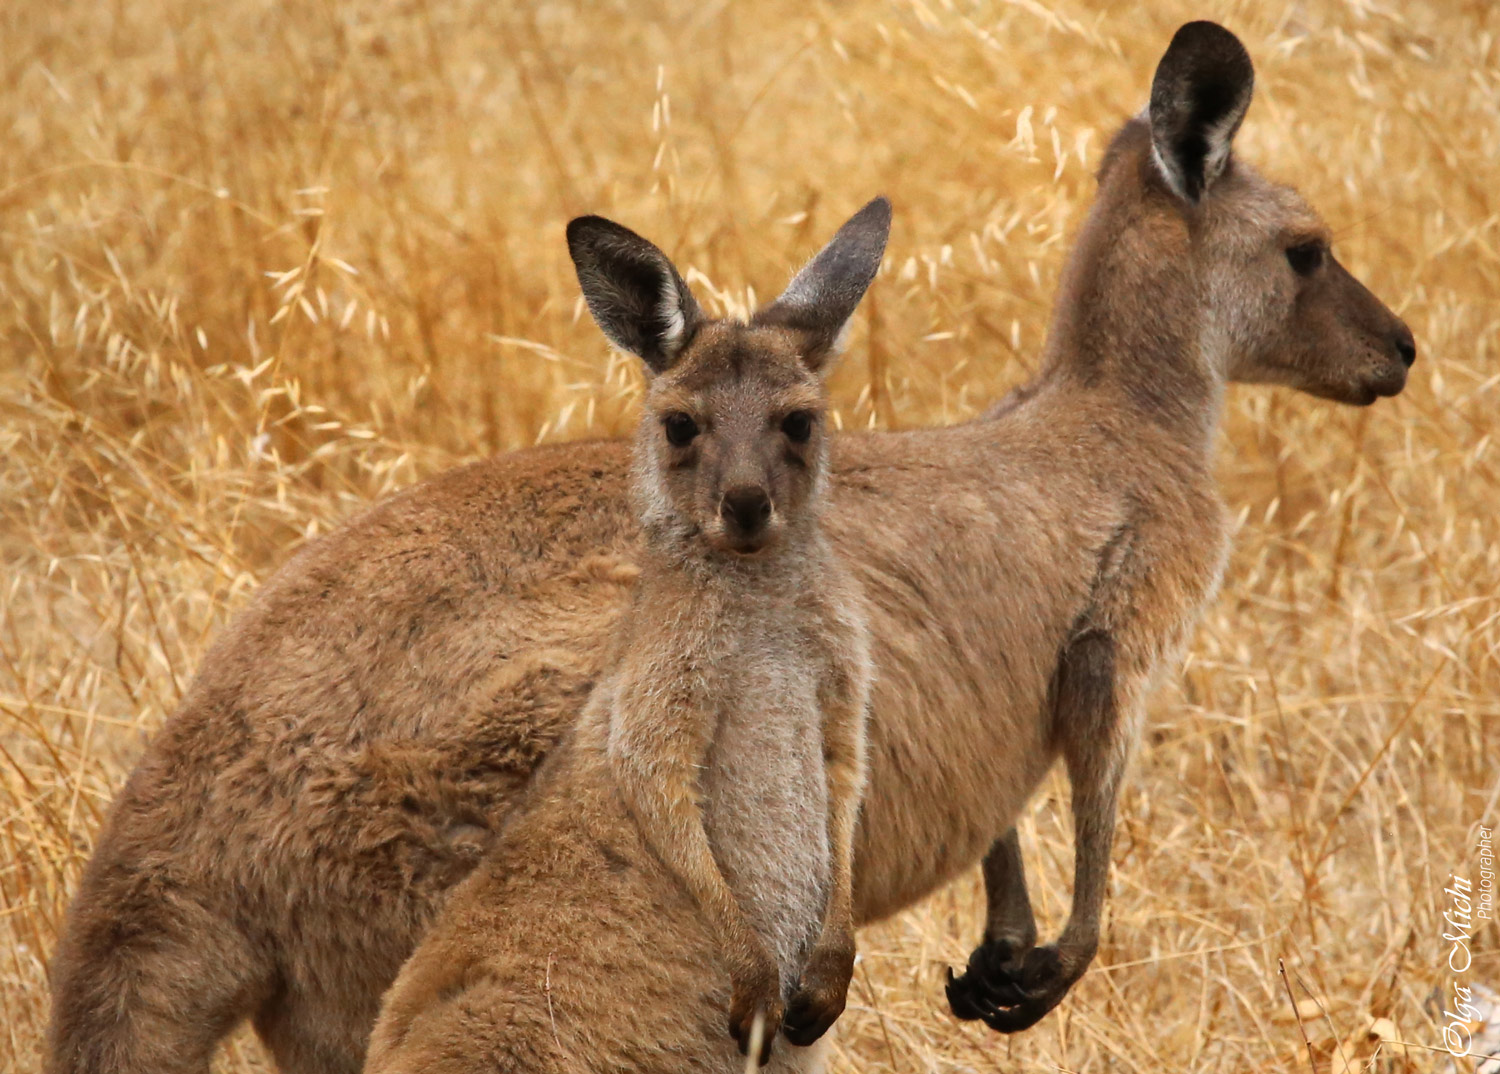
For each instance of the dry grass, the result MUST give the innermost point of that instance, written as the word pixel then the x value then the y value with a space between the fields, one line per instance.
pixel 263 263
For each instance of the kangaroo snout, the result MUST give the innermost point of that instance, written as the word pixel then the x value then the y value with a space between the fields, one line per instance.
pixel 1405 344
pixel 1396 360
pixel 745 510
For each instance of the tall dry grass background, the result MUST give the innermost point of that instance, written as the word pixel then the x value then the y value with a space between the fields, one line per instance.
pixel 264 263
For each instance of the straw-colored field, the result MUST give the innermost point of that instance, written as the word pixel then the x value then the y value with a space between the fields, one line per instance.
pixel 263 263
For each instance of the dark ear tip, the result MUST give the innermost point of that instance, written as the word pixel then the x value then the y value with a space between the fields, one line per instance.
pixel 597 231
pixel 1207 44
pixel 1205 34
pixel 581 228
pixel 877 212
pixel 1202 29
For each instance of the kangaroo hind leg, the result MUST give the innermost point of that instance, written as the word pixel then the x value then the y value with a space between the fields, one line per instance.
pixel 147 979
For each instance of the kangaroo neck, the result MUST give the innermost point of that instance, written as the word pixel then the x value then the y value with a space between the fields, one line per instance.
pixel 1132 325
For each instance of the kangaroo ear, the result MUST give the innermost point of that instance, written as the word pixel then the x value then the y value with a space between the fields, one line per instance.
pixel 1199 96
pixel 635 295
pixel 819 301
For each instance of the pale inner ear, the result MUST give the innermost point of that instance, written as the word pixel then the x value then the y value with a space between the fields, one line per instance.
pixel 840 343
pixel 674 321
pixel 1218 142
pixel 1169 171
pixel 1220 139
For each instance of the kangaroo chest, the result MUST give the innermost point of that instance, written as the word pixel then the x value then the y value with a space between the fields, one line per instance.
pixel 765 796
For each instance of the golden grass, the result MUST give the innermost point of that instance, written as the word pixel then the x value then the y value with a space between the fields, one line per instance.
pixel 263 263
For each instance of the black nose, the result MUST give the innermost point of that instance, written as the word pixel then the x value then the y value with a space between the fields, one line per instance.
pixel 745 508
pixel 1406 346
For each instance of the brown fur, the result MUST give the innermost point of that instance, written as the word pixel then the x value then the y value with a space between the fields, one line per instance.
pixel 358 735
pixel 697 828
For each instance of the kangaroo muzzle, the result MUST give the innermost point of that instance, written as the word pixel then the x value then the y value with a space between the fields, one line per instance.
pixel 746 511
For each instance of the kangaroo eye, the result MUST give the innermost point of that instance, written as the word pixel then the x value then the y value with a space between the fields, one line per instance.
pixel 1306 257
pixel 797 426
pixel 681 429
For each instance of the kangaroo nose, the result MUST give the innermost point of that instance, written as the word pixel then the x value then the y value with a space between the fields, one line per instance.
pixel 1406 346
pixel 745 508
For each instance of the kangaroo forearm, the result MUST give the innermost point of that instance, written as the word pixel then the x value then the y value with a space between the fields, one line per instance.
pixel 671 824
pixel 845 768
pixel 837 928
pixel 1093 834
pixel 725 917
pixel 1008 914
pixel 1098 708
pixel 845 791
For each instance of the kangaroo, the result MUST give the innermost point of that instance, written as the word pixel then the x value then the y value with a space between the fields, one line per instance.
pixel 358 734
pixel 702 813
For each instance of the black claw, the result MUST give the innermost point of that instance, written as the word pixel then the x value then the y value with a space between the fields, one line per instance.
pixel 1006 988
pixel 1015 1019
pixel 996 958
pixel 802 1033
pixel 806 1019
pixel 1008 994
pixel 961 998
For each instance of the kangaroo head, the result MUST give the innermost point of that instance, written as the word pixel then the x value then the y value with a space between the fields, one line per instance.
pixel 731 448
pixel 1246 257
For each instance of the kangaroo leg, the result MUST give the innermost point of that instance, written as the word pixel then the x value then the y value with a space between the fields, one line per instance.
pixel 1014 995
pixel 312 1035
pixel 147 978
pixel 1009 930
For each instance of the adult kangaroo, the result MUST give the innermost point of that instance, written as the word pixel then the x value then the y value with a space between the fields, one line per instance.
pixel 358 733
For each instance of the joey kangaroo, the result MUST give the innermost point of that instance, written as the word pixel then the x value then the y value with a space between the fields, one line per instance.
pixel 357 736
pixel 702 813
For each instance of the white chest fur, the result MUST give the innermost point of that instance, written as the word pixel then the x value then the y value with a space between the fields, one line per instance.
pixel 765 796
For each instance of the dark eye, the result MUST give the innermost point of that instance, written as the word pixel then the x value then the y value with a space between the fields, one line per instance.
pixel 681 429
pixel 797 426
pixel 1306 257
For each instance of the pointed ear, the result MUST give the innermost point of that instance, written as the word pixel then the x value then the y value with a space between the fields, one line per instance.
pixel 635 295
pixel 1199 96
pixel 822 297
